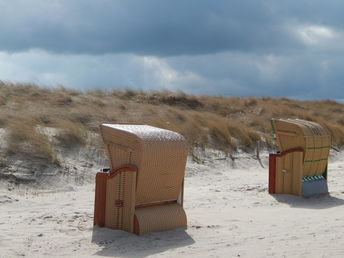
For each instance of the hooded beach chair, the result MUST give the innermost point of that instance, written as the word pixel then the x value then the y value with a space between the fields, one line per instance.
pixel 143 191
pixel 300 168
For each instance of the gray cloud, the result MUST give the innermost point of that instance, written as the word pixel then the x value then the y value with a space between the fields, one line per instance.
pixel 242 74
pixel 290 48
pixel 151 27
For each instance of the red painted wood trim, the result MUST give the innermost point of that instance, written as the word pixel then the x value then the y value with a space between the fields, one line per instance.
pixel 272 167
pixel 136 226
pixel 155 204
pixel 126 168
pixel 100 199
pixel 288 151
pixel 272 173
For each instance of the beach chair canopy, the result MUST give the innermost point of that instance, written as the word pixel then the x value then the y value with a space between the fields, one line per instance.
pixel 313 138
pixel 160 156
pixel 300 167
pixel 150 195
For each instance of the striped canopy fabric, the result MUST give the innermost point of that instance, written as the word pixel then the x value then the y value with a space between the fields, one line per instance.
pixel 300 167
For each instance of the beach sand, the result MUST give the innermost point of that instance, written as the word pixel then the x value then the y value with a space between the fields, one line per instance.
pixel 230 214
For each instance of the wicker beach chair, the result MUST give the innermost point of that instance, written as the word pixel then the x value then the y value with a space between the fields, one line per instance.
pixel 300 168
pixel 143 191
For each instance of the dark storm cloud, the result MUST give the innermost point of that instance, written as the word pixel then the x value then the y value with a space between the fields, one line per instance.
pixel 223 47
pixel 152 27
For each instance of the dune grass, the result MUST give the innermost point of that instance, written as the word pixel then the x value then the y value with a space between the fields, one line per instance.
pixel 224 123
pixel 24 138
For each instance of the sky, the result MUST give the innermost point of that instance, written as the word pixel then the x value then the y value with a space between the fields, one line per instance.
pixel 218 47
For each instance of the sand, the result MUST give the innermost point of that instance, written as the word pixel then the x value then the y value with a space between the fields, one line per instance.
pixel 230 214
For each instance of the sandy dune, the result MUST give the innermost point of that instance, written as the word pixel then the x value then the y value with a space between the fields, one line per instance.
pixel 230 214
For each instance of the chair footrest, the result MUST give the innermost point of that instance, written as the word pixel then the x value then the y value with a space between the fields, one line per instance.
pixel 313 187
pixel 159 218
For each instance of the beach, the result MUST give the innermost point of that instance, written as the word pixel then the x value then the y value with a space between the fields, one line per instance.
pixel 230 214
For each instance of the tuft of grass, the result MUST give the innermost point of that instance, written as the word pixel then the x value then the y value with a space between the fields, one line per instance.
pixel 23 137
pixel 71 134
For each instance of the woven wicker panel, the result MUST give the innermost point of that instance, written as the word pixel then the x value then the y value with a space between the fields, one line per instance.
pixel 289 171
pixel 159 218
pixel 159 154
pixel 120 201
pixel 118 155
pixel 117 136
pixel 312 137
pixel 311 140
pixel 161 173
pixel 324 137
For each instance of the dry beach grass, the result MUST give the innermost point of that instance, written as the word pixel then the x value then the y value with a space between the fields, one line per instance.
pixel 224 123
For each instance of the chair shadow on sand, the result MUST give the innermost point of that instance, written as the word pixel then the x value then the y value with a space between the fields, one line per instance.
pixel 117 242
pixel 322 201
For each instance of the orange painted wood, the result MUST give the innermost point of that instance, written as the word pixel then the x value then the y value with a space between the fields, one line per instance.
pixel 272 167
pixel 155 204
pixel 100 192
pixel 126 168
